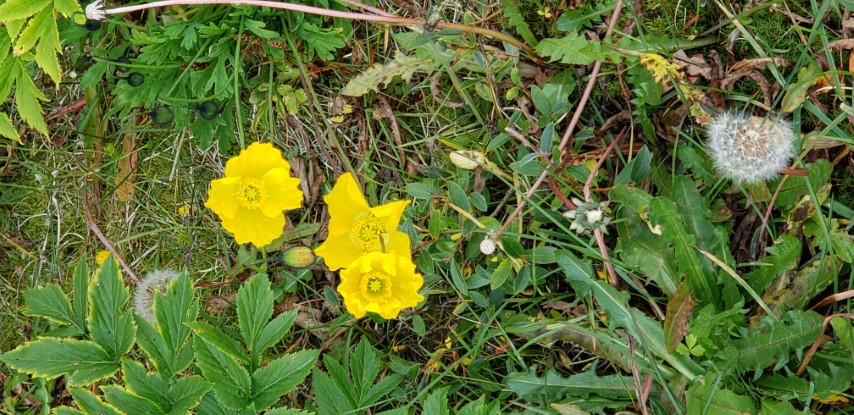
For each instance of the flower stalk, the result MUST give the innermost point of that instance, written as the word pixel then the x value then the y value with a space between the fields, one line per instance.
pixel 98 11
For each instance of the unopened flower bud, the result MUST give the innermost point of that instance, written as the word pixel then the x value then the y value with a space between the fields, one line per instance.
pixel 467 159
pixel 298 257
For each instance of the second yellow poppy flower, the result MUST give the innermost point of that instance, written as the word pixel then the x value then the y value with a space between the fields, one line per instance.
pixel 356 228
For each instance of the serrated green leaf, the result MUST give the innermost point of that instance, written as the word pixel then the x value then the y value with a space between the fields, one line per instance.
pixel 230 380
pixel 144 384
pixel 620 315
pixel 51 303
pixel 152 343
pixel 129 402
pixel 382 74
pixel 80 295
pixel 704 286
pixel 172 310
pixel 66 7
pixel 381 388
pixel 518 22
pixel 783 257
pixel 276 329
pixel 210 405
pixel 7 129
pixel 48 357
pixel 216 338
pixel 186 393
pixel 8 76
pixel 110 325
pixel 573 49
pixel 554 387
pixel 321 41
pixel 328 395
pixel 774 340
pixel 27 98
pixel 91 404
pixel 286 411
pixel 254 308
pixel 364 368
pixel 436 403
pixel 66 410
pixel 20 9
pixel 270 382
pixel 37 28
pixel 47 50
pixel 770 407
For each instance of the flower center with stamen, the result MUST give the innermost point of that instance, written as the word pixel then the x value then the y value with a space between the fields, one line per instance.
pixel 376 287
pixel 253 193
pixel 368 233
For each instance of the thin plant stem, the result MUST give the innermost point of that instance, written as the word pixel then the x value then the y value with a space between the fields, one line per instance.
pixel 390 19
pixel 97 231
pixel 582 103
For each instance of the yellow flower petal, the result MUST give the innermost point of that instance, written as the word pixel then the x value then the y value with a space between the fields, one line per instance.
pixel 255 161
pixel 283 192
pixel 251 199
pixel 355 228
pixel 382 283
pixel 250 227
pixel 221 196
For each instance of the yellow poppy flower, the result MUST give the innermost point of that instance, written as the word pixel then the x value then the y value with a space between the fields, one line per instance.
pixel 355 228
pixel 256 188
pixel 382 283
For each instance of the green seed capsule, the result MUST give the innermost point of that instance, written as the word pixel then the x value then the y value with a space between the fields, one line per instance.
pixel 298 257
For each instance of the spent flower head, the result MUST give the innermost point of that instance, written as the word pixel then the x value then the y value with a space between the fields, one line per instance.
pixel 356 228
pixel 252 196
pixel 589 216
pixel 749 149
pixel 382 283
pixel 143 297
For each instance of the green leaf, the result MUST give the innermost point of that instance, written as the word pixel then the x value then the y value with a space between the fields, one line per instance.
pixel 216 338
pixel 518 22
pixel 796 92
pixel 276 329
pixel 129 402
pixel 436 403
pixel 51 303
pixel 286 411
pixel 637 169
pixel 152 343
pixel 704 286
pixel 186 393
pixel 364 368
pixel 49 357
pixel 552 387
pixel 328 395
pixel 769 407
pixel 66 7
pixel 795 186
pixel 620 314
pixel 8 130
pixel 27 98
pixel 230 381
pixel 80 296
pixel 708 398
pixel 109 325
pixel 66 410
pixel 172 310
pixel 270 382
pixel 844 331
pixel 784 257
pixel 382 74
pixel 320 41
pixel 573 49
pixel 793 290
pixel 47 49
pixel 144 384
pixel 254 308
pixel 774 340
pixel 20 9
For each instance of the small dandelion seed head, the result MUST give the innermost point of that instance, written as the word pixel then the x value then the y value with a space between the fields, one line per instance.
pixel 143 298
pixel 487 246
pixel 749 149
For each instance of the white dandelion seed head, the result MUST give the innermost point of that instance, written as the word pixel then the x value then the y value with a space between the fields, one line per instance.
pixel 749 149
pixel 96 11
pixel 487 246
pixel 143 297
